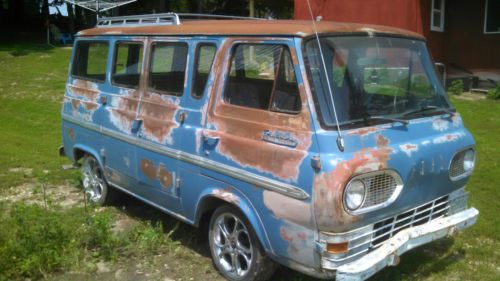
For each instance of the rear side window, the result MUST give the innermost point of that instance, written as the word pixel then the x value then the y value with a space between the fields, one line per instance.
pixel 128 64
pixel 168 67
pixel 262 76
pixel 205 54
pixel 90 60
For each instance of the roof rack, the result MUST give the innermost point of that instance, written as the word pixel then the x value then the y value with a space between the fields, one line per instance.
pixel 160 19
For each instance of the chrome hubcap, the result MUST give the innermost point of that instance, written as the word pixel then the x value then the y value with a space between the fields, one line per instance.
pixel 232 245
pixel 93 180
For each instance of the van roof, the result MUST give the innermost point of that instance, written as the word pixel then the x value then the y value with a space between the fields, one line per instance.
pixel 300 28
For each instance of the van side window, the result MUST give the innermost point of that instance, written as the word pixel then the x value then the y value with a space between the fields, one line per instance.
pixel 205 54
pixel 168 67
pixel 90 60
pixel 128 64
pixel 262 76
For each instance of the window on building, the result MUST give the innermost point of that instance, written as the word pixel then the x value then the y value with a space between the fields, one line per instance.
pixel 128 64
pixel 90 60
pixel 205 54
pixel 262 76
pixel 168 67
pixel 437 15
pixel 492 17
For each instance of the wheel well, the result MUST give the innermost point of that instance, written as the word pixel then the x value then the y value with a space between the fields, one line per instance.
pixel 78 154
pixel 206 210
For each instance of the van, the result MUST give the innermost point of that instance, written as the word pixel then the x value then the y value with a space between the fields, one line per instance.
pixel 330 148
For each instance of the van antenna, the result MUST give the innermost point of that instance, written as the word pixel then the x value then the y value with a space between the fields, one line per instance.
pixel 340 140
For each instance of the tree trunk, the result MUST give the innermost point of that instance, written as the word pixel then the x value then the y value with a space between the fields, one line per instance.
pixel 71 18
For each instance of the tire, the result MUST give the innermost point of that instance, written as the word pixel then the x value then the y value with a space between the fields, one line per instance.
pixel 235 248
pixel 97 190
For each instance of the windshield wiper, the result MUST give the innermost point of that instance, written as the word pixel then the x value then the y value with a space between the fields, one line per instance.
pixel 395 120
pixel 427 108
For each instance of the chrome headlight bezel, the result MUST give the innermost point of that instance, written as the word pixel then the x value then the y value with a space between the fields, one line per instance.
pixel 472 165
pixel 362 177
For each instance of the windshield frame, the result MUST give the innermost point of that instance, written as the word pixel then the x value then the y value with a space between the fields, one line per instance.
pixel 352 124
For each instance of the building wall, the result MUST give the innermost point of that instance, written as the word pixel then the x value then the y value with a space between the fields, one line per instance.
pixel 463 42
pixel 400 13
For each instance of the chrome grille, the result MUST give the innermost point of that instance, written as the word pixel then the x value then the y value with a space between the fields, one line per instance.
pixel 380 189
pixel 385 229
pixel 457 165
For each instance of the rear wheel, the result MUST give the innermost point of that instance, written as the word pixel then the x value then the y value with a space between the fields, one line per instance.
pixel 236 251
pixel 94 183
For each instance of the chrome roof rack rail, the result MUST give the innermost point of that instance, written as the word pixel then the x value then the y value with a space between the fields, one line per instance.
pixel 160 19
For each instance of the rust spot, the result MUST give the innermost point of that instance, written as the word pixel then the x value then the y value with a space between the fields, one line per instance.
pixel 328 187
pixel 75 104
pixel 227 195
pixel 91 106
pixel 148 169
pixel 364 131
pixel 71 134
pixel 165 176
pixel 285 235
pixel 158 114
pixel 124 114
pixel 84 88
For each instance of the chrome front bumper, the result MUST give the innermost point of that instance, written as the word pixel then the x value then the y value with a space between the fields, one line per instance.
pixel 388 254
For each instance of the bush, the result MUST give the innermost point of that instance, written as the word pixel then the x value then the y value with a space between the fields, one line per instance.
pixel 457 87
pixel 494 93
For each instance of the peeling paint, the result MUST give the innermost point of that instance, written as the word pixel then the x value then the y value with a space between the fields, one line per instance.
pixel 153 172
pixel 226 195
pixel 409 148
pixel 448 138
pixel 440 125
pixel 284 207
pixel 328 186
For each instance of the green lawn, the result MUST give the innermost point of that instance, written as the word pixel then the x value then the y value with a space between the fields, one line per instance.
pixel 31 89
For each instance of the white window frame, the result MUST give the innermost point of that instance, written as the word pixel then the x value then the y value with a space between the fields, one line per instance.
pixel 434 27
pixel 486 20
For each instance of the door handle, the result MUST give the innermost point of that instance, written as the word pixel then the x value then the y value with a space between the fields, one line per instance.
pixel 136 125
pixel 211 141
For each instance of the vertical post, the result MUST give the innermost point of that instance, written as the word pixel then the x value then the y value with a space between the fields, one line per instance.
pixel 251 8
pixel 97 11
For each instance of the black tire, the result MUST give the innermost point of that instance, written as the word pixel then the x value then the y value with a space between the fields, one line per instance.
pixel 260 267
pixel 97 191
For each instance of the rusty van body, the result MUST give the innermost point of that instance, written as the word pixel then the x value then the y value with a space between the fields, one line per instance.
pixel 331 155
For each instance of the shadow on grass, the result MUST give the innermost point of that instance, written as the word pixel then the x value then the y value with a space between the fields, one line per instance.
pixel 424 261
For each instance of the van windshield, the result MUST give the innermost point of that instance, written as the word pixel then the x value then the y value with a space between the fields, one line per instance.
pixel 373 80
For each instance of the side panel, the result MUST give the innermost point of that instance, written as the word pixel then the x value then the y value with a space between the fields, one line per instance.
pixel 237 136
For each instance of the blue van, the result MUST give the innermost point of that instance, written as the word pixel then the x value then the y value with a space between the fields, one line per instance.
pixel 331 150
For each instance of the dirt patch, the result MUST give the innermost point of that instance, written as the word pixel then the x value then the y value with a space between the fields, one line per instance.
pixel 65 195
pixel 469 96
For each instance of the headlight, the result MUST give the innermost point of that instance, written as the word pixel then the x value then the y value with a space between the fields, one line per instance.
pixel 469 160
pixel 354 195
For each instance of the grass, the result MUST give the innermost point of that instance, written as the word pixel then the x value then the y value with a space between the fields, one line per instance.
pixel 38 243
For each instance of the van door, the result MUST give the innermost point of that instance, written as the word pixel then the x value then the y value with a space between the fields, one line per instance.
pixel 162 116
pixel 260 132
pixel 121 102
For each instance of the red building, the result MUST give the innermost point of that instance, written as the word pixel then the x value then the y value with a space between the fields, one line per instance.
pixel 463 34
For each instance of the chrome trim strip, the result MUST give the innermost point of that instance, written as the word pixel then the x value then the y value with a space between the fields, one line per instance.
pixel 252 178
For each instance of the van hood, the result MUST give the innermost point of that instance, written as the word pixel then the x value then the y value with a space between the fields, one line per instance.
pixel 420 153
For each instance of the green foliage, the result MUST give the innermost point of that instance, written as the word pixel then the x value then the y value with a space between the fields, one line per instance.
pixel 457 87
pixel 494 94
pixel 35 241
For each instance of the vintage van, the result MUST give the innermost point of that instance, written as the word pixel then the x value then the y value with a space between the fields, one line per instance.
pixel 332 155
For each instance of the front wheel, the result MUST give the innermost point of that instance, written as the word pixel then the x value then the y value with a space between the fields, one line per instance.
pixel 94 184
pixel 236 251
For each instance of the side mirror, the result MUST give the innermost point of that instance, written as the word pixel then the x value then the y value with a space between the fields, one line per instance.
pixel 441 70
